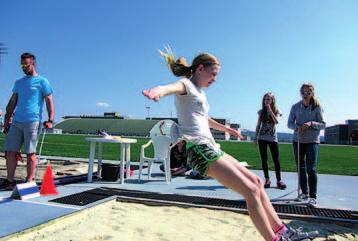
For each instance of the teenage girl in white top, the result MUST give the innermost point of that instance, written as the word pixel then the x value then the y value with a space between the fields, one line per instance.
pixel 204 154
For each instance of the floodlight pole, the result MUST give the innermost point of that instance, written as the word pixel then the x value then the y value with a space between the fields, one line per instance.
pixel 148 110
pixel 2 50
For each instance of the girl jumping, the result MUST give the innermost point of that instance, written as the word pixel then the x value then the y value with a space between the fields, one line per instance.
pixel 204 154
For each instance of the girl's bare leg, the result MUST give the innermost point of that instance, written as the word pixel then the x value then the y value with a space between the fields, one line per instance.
pixel 274 220
pixel 226 172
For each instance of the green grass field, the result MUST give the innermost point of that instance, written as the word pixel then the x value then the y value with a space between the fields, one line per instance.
pixel 340 160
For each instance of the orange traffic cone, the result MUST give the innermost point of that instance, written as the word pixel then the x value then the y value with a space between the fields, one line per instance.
pixel 48 186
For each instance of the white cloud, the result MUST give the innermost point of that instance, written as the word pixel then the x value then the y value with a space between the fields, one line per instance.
pixel 102 104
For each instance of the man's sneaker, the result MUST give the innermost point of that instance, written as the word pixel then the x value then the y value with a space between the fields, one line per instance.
pixel 312 202
pixel 7 185
pixel 297 234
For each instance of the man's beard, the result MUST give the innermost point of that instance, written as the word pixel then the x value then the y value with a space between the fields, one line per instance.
pixel 27 72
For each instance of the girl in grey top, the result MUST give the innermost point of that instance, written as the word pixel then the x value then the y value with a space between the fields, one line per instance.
pixel 306 120
pixel 203 153
pixel 266 136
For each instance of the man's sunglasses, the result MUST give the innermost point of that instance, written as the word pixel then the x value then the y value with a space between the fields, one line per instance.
pixel 25 65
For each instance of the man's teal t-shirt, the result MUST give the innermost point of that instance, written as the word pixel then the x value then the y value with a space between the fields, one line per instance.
pixel 30 91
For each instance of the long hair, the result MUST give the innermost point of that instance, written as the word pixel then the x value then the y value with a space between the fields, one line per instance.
pixel 313 101
pixel 264 117
pixel 180 67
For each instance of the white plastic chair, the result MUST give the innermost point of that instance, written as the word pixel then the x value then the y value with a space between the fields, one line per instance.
pixel 163 136
pixel 162 147
pixel 164 128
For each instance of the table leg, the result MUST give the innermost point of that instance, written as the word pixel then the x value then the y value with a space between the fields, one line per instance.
pixel 99 163
pixel 91 160
pixel 128 160
pixel 123 156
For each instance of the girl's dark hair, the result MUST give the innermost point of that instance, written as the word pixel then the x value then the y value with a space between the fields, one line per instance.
pixel 264 117
pixel 180 67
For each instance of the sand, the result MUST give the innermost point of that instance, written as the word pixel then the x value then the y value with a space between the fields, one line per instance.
pixel 128 221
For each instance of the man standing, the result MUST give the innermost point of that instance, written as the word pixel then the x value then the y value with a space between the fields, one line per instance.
pixel 22 128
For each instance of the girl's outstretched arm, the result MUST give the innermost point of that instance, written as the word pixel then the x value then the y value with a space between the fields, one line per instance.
pixel 163 90
pixel 220 127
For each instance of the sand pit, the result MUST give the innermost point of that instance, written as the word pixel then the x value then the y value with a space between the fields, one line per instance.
pixel 128 221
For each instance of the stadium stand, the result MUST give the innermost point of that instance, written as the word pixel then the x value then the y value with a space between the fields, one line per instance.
pixel 125 127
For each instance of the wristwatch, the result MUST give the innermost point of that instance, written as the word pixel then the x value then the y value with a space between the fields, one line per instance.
pixel 50 121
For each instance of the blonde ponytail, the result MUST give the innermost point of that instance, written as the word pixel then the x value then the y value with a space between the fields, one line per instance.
pixel 180 67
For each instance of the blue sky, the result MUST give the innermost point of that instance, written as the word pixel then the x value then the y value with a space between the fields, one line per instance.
pixel 99 55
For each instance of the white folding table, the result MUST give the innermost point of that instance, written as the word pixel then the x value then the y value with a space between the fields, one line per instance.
pixel 124 158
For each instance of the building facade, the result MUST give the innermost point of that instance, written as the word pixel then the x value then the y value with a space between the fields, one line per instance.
pixel 342 134
pixel 337 134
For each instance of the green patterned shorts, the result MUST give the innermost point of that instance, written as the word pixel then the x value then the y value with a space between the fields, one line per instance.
pixel 201 156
